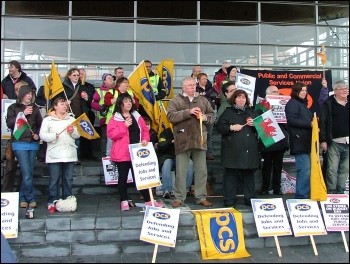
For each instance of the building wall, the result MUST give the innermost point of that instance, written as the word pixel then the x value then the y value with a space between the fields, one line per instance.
pixel 101 35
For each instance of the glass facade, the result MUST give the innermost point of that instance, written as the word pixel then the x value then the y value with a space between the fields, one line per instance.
pixel 101 35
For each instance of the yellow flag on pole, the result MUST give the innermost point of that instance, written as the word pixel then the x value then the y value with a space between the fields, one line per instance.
pixel 55 82
pixel 85 128
pixel 164 122
pixel 140 85
pixel 165 70
pixel 318 190
pixel 46 88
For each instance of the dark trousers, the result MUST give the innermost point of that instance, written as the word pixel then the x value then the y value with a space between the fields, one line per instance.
pixel 123 170
pixel 230 184
pixel 273 162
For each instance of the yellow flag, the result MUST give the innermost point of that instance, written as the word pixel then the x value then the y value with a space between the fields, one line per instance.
pixel 85 128
pixel 220 233
pixel 165 70
pixel 164 122
pixel 322 54
pixel 55 82
pixel 140 85
pixel 46 88
pixel 318 190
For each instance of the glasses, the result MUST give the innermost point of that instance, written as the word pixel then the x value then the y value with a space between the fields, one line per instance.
pixel 75 75
pixel 127 101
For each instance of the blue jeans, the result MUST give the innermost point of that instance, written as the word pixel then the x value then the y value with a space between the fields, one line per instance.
pixel 303 164
pixel 26 161
pixel 337 167
pixel 64 171
pixel 167 181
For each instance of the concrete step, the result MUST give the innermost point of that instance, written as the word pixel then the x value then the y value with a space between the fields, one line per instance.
pixel 99 227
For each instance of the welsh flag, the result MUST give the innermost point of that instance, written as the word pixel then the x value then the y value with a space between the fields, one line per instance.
pixel 262 104
pixel 21 125
pixel 268 128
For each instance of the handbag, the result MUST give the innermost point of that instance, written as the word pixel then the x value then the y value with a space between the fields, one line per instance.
pixel 66 205
pixel 9 150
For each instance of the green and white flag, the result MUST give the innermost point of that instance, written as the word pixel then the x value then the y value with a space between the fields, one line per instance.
pixel 21 125
pixel 268 128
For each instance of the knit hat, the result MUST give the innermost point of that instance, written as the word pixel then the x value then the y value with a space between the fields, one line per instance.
pixel 104 76
pixel 25 89
pixel 229 69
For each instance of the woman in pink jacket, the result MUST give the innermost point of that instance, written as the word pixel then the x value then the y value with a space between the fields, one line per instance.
pixel 124 128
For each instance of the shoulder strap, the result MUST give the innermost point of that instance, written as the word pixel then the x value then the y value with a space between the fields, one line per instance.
pixel 75 92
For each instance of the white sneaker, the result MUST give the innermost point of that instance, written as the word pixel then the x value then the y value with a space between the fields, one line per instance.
pixel 124 206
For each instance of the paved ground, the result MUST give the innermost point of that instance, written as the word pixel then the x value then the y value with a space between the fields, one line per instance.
pixel 328 253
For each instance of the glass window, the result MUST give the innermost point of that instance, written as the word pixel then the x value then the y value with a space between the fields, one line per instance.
pixel 229 33
pixel 103 8
pixel 54 8
pixel 35 28
pixel 102 30
pixel 36 50
pixel 167 9
pixel 290 13
pixel 332 15
pixel 102 52
pixel 287 56
pixel 155 52
pixel 235 54
pixel 155 31
pixel 334 36
pixel 296 35
pixel 228 10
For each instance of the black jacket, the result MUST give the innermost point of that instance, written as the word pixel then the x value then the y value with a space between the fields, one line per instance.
pixel 9 86
pixel 239 150
pixel 299 119
pixel 326 120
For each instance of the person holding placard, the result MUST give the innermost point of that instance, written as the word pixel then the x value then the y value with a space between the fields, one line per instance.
pixel 127 127
pixel 273 158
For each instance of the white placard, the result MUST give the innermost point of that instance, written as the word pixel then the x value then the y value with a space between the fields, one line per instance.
pixel 335 212
pixel 9 214
pixel 160 226
pixel 270 217
pixel 278 104
pixel 305 217
pixel 5 131
pixel 110 176
pixel 145 164
pixel 246 83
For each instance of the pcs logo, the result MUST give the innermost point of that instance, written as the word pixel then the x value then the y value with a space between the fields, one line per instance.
pixel 146 90
pixel 86 127
pixel 268 207
pixel 224 232
pixel 245 81
pixel 334 200
pixel 302 207
pixel 167 81
pixel 161 215
pixel 143 153
pixel 4 202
